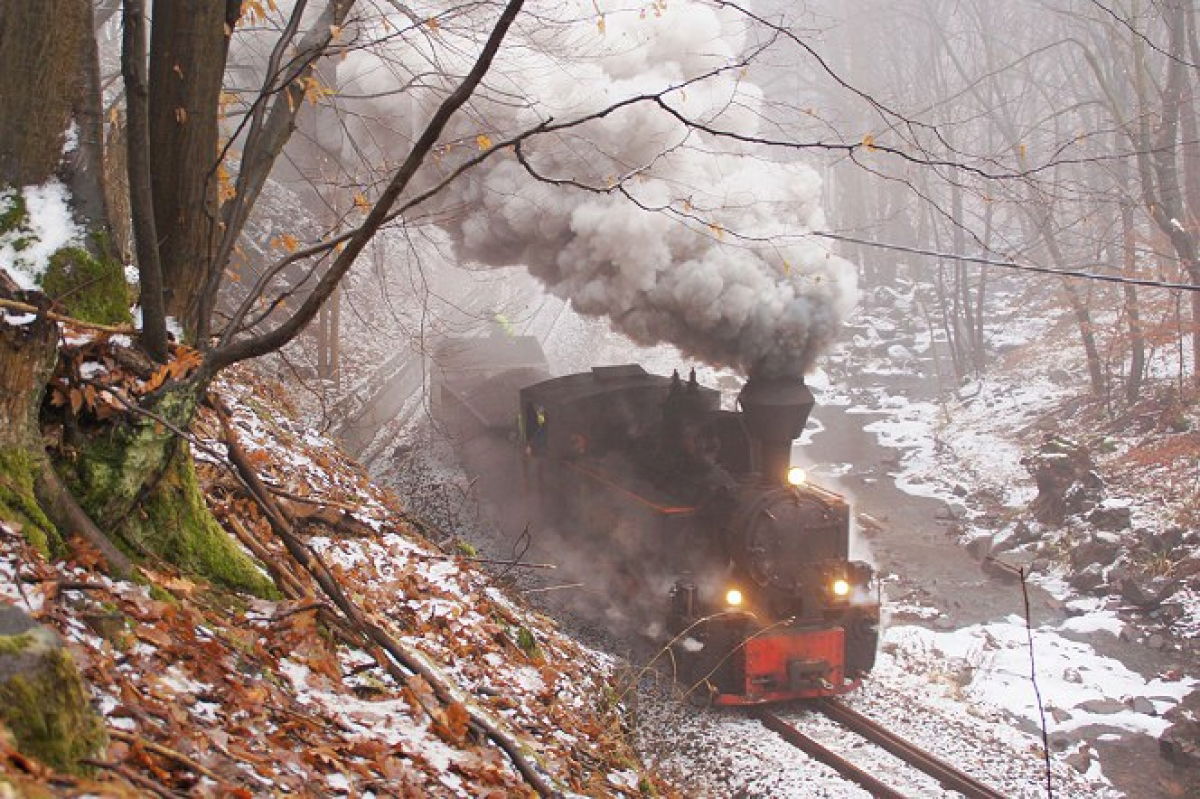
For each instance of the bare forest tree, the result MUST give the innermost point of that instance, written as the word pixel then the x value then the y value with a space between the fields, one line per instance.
pixel 1078 124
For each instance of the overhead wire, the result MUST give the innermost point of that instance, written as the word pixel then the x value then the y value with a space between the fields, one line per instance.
pixel 1009 264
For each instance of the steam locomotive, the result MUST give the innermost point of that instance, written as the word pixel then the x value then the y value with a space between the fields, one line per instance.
pixel 743 561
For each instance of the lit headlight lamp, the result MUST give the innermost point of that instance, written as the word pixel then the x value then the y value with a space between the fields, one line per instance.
pixel 839 583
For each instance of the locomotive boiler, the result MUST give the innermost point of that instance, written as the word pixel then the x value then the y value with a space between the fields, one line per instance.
pixel 745 563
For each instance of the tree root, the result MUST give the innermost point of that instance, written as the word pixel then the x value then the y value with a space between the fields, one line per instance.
pixel 62 509
pixel 400 661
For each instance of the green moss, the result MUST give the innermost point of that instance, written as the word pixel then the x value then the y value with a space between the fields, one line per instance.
pixel 528 643
pixel 12 644
pixel 108 469
pixel 89 282
pixel 14 216
pixel 162 595
pixel 18 503
pixel 47 709
pixel 90 287
pixel 139 480
pixel 174 522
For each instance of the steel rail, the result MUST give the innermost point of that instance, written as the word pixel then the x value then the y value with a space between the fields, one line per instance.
pixel 841 765
pixel 949 777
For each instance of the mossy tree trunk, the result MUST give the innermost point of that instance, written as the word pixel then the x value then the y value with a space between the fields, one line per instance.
pixel 133 477
pixel 138 480
pixel 27 355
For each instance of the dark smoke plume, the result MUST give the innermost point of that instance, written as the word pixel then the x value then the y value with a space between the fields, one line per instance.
pixel 714 260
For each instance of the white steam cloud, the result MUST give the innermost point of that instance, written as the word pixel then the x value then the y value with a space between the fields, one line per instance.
pixel 707 251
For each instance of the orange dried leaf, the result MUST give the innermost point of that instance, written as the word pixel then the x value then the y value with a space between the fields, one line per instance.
pixel 153 635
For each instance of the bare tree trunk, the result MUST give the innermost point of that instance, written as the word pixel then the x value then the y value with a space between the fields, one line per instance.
pixel 1189 146
pixel 975 313
pixel 189 43
pixel 86 167
pixel 42 100
pixel 1157 161
pixel 272 123
pixel 944 300
pixel 1137 338
pixel 964 318
pixel 141 197
pixel 323 369
pixel 335 338
pixel 1083 319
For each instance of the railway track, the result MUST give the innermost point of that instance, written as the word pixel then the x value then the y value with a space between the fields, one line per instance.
pixel 948 776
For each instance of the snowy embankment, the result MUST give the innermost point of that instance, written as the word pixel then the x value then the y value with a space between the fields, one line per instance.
pixel 219 694
pixel 967 451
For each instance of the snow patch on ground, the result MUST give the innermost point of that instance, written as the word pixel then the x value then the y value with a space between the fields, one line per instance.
pixel 1071 676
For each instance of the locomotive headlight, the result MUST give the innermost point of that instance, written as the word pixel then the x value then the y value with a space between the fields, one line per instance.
pixel 797 476
pixel 841 588
pixel 733 597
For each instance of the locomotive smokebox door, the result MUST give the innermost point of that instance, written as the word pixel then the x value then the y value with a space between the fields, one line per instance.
pixel 775 411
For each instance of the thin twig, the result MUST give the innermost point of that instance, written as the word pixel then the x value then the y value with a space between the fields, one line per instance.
pixel 301 609
pixel 512 564
pixel 63 585
pixel 553 588
pixel 53 316
pixel 519 548
pixel 1022 575
pixel 1037 691
pixel 289 583
pixel 487 561
pixel 328 503
pixel 167 752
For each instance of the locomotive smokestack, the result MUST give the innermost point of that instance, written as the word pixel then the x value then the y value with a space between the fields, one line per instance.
pixel 775 410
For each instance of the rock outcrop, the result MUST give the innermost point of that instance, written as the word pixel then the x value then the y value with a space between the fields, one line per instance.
pixel 43 701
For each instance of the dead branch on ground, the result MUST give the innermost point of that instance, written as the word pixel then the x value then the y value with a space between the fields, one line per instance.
pixel 402 662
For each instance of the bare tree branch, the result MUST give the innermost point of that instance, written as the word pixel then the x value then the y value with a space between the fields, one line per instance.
pixel 249 348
